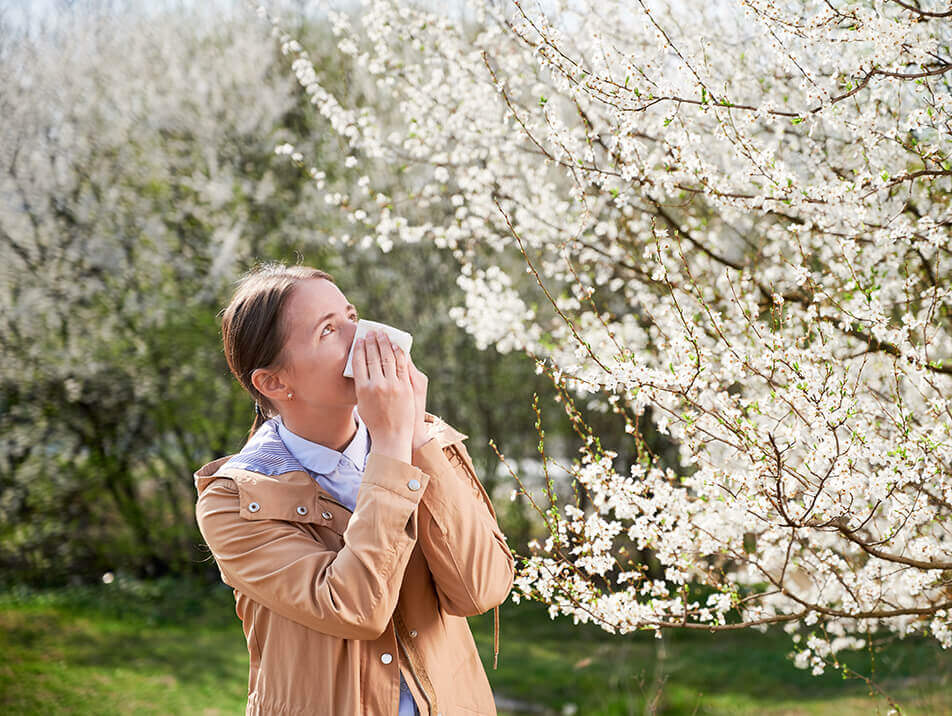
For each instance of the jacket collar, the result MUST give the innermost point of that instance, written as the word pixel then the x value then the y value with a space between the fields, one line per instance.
pixel 272 457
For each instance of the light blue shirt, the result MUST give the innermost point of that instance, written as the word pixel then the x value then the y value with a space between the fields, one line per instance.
pixel 340 473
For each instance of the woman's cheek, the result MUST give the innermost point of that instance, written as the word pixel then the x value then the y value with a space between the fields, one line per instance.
pixel 346 340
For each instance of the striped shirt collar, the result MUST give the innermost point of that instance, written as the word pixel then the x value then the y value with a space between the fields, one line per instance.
pixel 267 453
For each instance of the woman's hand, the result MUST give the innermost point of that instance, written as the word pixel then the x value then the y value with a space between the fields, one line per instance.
pixel 419 381
pixel 385 396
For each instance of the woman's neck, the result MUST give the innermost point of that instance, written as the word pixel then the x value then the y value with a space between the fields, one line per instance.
pixel 333 427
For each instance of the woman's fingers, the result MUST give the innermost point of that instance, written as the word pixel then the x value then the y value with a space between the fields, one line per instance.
pixel 385 351
pixel 380 359
pixel 412 370
pixel 400 363
pixel 359 363
pixel 398 368
pixel 372 349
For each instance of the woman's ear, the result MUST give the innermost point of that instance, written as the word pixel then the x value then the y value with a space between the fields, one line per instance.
pixel 270 384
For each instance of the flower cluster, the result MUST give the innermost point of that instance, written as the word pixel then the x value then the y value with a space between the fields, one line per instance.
pixel 735 214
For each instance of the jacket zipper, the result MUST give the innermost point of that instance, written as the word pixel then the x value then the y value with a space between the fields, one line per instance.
pixel 412 671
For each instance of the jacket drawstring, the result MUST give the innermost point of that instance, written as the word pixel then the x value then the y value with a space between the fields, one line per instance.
pixel 495 635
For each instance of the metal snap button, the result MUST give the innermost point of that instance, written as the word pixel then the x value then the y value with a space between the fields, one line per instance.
pixel 254 507
pixel 386 657
pixel 301 510
pixel 326 515
pixel 413 632
pixel 414 484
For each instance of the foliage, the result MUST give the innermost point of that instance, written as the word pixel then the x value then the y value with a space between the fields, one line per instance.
pixel 140 179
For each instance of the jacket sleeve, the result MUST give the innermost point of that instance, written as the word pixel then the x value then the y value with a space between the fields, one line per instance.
pixel 466 552
pixel 351 593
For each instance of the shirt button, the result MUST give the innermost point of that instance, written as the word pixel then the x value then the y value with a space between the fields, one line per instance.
pixel 386 657
pixel 254 507
pixel 301 510
pixel 414 484
pixel 326 515
pixel 413 632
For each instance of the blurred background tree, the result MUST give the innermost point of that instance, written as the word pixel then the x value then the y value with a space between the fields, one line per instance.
pixel 139 180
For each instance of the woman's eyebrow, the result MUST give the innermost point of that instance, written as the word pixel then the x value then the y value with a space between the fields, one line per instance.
pixel 350 307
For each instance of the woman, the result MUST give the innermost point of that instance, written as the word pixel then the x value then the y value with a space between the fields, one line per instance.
pixel 352 525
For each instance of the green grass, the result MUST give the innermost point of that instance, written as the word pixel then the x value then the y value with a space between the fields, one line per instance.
pixel 176 647
pixel 162 648
pixel 557 663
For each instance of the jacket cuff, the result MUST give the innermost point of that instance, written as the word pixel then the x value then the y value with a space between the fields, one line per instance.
pixel 429 457
pixel 396 476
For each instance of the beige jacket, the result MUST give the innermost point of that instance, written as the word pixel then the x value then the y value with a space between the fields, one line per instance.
pixel 335 604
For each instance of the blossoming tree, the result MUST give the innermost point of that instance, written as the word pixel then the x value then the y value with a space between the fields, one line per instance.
pixel 736 214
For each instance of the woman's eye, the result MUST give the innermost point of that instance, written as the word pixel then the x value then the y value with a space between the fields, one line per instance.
pixel 355 319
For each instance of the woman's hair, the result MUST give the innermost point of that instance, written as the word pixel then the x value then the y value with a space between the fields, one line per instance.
pixel 254 328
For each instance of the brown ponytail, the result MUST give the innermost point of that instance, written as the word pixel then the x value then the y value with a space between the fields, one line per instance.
pixel 253 326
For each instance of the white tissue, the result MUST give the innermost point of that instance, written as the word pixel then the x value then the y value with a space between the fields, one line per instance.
pixel 398 337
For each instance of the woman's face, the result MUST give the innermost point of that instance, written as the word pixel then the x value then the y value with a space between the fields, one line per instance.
pixel 320 325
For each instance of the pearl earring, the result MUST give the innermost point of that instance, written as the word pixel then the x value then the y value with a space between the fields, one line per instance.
pixel 290 395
